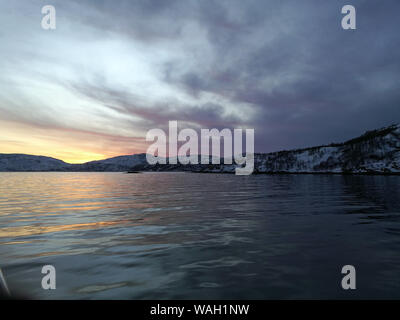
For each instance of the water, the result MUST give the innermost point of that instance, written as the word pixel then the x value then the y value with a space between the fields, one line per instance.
pixel 200 236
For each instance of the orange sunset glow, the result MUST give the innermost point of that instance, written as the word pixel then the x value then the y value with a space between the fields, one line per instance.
pixel 67 145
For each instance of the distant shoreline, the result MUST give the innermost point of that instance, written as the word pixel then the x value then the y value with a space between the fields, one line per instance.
pixel 376 152
pixel 230 173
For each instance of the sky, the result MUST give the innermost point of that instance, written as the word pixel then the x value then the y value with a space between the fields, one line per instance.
pixel 112 70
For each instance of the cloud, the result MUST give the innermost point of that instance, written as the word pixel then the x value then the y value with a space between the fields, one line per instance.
pixel 285 68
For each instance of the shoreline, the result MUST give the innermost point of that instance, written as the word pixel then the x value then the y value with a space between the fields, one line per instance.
pixel 210 172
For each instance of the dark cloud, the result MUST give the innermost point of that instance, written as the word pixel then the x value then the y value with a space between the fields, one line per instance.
pixel 156 115
pixel 308 81
pixel 311 81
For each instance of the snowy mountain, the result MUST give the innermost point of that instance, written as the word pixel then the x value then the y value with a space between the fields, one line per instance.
pixel 375 152
pixel 121 163
pixel 22 162
pixel 25 162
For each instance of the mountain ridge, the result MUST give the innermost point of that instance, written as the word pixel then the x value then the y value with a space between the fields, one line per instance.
pixel 374 152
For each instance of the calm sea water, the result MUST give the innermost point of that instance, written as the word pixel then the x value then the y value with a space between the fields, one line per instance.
pixel 199 236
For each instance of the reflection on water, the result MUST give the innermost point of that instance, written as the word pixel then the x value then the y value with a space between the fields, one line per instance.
pixel 183 235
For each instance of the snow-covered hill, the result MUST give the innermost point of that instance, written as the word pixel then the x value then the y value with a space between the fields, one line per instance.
pixel 25 162
pixel 121 163
pixel 376 151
